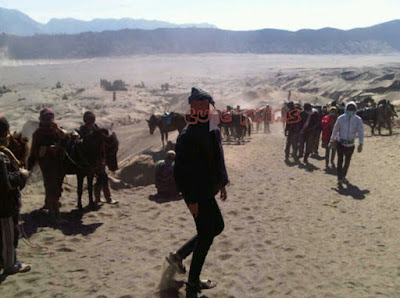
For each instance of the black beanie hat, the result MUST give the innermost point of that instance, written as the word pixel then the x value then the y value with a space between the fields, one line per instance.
pixel 200 95
pixel 4 126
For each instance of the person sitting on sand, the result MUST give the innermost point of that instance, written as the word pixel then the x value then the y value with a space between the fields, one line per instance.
pixel 344 133
pixel 165 182
pixel 328 122
pixel 90 130
pixel 12 181
pixel 47 142
pixel 200 174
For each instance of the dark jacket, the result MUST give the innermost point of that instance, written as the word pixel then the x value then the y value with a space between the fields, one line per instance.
pixel 11 180
pixel 199 168
pixel 313 125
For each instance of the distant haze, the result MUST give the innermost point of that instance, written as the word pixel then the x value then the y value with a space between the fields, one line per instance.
pixel 225 14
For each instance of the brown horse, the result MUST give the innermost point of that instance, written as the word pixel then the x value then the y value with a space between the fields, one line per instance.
pixel 84 156
pixel 177 122
pixel 19 146
pixel 385 114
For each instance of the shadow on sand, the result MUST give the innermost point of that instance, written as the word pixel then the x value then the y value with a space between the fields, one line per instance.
pixel 351 190
pixel 330 171
pixel 73 222
pixel 308 167
pixel 290 163
pixel 161 200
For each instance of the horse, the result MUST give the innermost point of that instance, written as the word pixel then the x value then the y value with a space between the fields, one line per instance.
pixel 19 146
pixel 384 116
pixel 369 117
pixel 177 122
pixel 85 156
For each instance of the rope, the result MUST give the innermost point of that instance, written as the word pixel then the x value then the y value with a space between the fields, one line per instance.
pixel 26 239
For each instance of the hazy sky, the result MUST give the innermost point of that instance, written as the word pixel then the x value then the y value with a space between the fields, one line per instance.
pixel 226 14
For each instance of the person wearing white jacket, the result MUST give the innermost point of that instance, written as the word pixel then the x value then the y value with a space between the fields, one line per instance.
pixel 347 127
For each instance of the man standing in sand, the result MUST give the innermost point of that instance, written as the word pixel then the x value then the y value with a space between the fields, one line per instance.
pixel 308 126
pixel 47 142
pixel 12 180
pixel 344 133
pixel 200 174
pixel 291 133
pixel 90 131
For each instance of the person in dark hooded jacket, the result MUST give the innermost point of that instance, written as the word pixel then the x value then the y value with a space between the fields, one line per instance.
pixel 12 180
pixel 200 174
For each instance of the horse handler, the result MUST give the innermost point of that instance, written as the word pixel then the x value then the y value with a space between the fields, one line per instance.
pixel 344 133
pixel 47 149
pixel 200 174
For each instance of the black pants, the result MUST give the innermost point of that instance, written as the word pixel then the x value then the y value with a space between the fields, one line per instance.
pixel 328 154
pixel 307 141
pixel 291 141
pixel 209 224
pixel 9 236
pixel 344 154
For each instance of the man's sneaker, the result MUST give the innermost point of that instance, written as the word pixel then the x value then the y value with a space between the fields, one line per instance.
pixel 176 261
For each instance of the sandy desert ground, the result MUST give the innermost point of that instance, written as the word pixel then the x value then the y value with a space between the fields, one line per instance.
pixel 290 232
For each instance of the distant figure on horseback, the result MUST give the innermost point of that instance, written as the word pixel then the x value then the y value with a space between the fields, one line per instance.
pixel 47 149
pixel 166 123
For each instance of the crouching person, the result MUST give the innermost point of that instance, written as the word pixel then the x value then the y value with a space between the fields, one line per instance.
pixel 165 182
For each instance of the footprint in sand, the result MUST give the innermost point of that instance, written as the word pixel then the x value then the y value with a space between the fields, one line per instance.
pixel 24 293
pixel 65 249
pixel 225 257
pixel 75 240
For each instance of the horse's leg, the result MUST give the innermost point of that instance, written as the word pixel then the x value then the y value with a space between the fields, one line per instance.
pixel 166 137
pixel 162 139
pixel 80 178
pixel 390 127
pixel 90 178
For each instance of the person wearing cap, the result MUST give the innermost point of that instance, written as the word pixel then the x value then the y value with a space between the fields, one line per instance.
pixel 200 174
pixel 47 149
pixel 12 181
pixel 90 132
pixel 165 182
pixel 328 122
pixel 347 127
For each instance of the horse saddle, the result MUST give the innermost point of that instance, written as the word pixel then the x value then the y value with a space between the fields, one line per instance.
pixel 168 117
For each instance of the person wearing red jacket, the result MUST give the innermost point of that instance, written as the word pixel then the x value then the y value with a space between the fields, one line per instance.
pixel 328 122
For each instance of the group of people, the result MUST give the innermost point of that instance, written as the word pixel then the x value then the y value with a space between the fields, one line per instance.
pixel 48 150
pixel 337 133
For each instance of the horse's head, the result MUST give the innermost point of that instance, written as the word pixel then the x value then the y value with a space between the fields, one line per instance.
pixel 19 146
pixel 152 122
pixel 111 149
